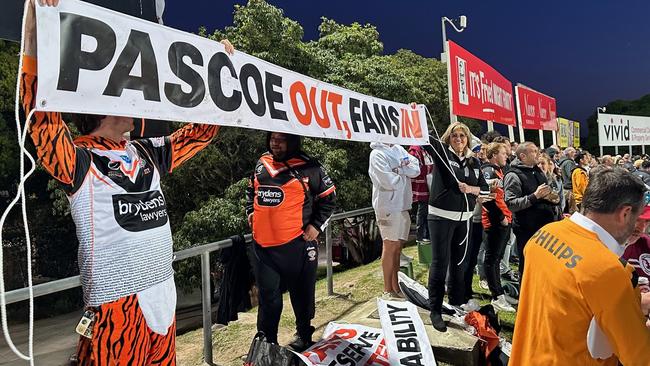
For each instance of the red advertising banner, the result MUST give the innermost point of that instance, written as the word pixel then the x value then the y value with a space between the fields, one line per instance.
pixel 536 111
pixel 477 90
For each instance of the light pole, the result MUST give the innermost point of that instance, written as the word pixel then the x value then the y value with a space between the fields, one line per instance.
pixel 598 110
pixel 462 24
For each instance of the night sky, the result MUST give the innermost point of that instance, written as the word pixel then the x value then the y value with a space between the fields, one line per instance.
pixel 583 53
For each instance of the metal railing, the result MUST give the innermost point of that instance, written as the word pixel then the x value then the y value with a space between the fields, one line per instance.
pixel 204 251
pixel 328 242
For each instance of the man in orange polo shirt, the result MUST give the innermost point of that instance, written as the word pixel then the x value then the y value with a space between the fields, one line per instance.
pixel 574 277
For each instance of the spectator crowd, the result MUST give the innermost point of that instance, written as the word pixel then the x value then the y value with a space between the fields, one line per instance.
pixel 556 235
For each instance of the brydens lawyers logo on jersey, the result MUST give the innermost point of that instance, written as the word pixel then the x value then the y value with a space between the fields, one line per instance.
pixel 140 211
pixel 269 196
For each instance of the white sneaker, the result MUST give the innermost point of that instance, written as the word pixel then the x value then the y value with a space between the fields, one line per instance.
pixel 511 300
pixel 483 284
pixel 391 296
pixel 506 347
pixel 404 259
pixel 471 305
pixel 501 304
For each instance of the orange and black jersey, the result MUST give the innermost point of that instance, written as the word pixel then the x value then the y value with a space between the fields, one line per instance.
pixel 68 161
pixel 496 210
pixel 116 199
pixel 285 197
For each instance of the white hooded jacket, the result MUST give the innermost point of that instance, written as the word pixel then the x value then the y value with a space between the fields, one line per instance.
pixel 391 177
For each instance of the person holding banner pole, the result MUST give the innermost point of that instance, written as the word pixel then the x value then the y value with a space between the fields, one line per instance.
pixel 457 183
pixel 117 204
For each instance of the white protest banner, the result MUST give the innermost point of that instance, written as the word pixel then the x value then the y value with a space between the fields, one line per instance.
pixel 348 344
pixel 406 338
pixel 98 61
pixel 621 130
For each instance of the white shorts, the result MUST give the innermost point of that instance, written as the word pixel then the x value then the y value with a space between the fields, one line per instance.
pixel 394 226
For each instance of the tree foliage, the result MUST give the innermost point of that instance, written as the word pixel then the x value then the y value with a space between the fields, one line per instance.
pixel 8 138
pixel 350 56
pixel 205 195
pixel 8 68
pixel 345 40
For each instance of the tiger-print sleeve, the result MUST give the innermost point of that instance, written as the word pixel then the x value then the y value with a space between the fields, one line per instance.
pixel 171 151
pixel 54 147
pixel 189 140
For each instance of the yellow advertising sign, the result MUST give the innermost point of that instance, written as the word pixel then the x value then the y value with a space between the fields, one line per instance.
pixel 568 133
pixel 563 131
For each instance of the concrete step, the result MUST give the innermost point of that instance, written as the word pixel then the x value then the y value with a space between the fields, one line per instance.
pixel 454 347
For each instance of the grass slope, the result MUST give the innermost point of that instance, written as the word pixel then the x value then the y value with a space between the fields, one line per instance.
pixel 353 287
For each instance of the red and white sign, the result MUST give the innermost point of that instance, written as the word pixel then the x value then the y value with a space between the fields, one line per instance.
pixel 537 111
pixel 477 90
pixel 406 338
pixel 348 344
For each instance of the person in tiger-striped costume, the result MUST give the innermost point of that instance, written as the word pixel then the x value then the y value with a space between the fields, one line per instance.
pixel 119 209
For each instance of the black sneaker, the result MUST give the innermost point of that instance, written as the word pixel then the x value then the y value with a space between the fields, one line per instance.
pixel 301 343
pixel 448 311
pixel 511 276
pixel 437 322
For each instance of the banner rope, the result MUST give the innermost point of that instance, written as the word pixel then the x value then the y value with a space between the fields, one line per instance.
pixel 20 194
pixel 451 171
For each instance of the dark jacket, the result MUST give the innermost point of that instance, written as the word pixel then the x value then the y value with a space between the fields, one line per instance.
pixel 645 177
pixel 520 183
pixel 566 166
pixel 445 194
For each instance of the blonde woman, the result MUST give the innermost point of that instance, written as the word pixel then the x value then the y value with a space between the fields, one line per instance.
pixel 556 197
pixel 457 182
